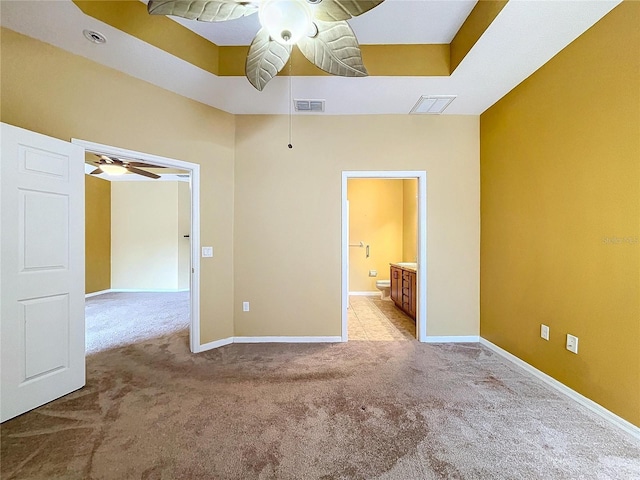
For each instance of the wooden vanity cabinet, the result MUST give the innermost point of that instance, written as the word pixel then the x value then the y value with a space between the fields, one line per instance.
pixel 396 285
pixel 403 289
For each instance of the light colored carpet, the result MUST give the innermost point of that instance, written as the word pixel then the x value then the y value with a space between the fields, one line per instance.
pixel 120 319
pixel 361 410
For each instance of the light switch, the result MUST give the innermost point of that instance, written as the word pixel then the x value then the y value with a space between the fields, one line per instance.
pixel 207 251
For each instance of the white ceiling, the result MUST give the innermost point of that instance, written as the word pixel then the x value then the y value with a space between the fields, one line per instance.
pixel 524 36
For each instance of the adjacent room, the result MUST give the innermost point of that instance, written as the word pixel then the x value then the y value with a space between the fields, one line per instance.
pixel 137 252
pixel 520 117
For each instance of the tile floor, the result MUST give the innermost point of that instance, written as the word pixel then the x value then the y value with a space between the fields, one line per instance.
pixel 373 319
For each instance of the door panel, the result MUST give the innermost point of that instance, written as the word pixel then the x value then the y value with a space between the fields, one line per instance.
pixel 40 252
pixel 46 335
pixel 42 278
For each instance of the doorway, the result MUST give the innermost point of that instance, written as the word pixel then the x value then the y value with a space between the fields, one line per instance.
pixel 420 176
pixel 193 171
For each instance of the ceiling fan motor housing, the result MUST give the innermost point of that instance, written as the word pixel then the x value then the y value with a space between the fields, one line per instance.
pixel 287 21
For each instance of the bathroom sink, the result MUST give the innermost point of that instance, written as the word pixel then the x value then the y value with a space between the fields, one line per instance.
pixel 407 264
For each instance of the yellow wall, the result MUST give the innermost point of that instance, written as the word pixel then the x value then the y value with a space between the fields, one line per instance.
pixel 375 218
pixel 97 194
pixel 409 220
pixel 560 183
pixel 287 228
pixel 384 215
pixel 50 91
pixel 144 235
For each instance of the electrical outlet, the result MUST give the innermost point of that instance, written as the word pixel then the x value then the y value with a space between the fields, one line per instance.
pixel 245 306
pixel 544 331
pixel 572 343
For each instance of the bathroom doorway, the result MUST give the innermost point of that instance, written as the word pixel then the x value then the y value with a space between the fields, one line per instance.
pixel 390 233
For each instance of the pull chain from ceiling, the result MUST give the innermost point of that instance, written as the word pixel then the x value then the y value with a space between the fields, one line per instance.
pixel 290 102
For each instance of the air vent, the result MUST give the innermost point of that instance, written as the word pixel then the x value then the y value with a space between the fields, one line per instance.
pixel 309 105
pixel 183 175
pixel 432 104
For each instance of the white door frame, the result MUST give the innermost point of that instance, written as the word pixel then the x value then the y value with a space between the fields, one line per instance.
pixel 194 234
pixel 421 176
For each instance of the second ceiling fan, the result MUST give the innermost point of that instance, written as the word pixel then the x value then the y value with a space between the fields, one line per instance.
pixel 115 166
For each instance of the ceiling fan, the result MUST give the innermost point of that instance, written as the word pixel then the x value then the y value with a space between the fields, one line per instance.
pixel 318 27
pixel 116 166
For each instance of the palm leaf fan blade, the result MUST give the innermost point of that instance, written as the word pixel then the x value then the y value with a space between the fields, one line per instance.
pixel 202 10
pixel 265 59
pixel 336 10
pixel 334 49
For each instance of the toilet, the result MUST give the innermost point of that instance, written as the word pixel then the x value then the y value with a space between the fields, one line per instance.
pixel 385 288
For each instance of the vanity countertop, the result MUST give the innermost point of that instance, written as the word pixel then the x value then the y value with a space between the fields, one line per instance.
pixel 406 266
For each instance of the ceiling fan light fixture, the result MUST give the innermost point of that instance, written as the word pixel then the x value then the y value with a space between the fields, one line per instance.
pixel 111 169
pixel 287 21
pixel 319 29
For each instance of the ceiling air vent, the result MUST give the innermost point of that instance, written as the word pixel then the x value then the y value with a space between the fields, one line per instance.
pixel 309 105
pixel 432 104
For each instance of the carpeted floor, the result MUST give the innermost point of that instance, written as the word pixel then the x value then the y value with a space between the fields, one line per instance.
pixel 119 319
pixel 361 410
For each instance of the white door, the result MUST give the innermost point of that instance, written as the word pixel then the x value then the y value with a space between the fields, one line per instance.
pixel 42 278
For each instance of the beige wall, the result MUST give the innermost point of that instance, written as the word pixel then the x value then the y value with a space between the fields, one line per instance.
pixel 561 215
pixel 375 218
pixel 50 91
pixel 97 194
pixel 287 220
pixel 144 235
pixel 287 228
pixel 409 220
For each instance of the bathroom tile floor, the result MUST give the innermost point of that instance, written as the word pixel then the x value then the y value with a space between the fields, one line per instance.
pixel 373 319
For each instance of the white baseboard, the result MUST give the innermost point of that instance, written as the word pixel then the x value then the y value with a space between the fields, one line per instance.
pixel 94 294
pixel 214 344
pixel 452 339
pixel 287 339
pixel 366 294
pixel 596 408
pixel 148 290
pixel 132 290
pixel 227 341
